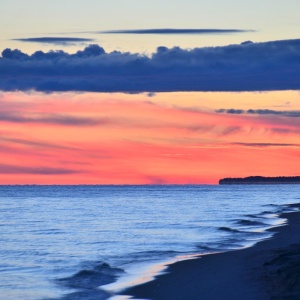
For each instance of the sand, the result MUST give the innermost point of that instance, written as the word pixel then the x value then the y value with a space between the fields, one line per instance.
pixel 268 270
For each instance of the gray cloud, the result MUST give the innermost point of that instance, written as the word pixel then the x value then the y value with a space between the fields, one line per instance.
pixel 34 143
pixel 51 119
pixel 245 67
pixel 266 145
pixel 292 113
pixel 55 40
pixel 230 129
pixel 174 31
pixel 12 169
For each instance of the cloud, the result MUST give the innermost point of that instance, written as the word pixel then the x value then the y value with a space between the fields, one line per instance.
pixel 151 94
pixel 53 119
pixel 266 145
pixel 34 143
pixel 293 114
pixel 55 40
pixel 174 31
pixel 12 169
pixel 244 67
pixel 230 130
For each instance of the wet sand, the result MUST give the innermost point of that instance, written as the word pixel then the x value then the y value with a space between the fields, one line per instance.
pixel 269 270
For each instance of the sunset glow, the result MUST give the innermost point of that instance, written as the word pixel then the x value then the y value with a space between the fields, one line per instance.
pixel 169 138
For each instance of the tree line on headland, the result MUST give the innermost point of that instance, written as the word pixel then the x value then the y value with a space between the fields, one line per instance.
pixel 262 180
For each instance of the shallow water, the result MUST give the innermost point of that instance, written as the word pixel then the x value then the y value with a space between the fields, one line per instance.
pixel 63 242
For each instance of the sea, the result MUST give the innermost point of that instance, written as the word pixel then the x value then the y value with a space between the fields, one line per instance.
pixel 88 242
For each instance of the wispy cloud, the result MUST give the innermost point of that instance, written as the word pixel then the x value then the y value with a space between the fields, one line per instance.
pixel 174 31
pixel 263 145
pixel 53 119
pixel 12 169
pixel 35 144
pixel 285 113
pixel 245 67
pixel 55 40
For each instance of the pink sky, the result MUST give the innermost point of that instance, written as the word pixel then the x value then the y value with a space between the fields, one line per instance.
pixel 92 138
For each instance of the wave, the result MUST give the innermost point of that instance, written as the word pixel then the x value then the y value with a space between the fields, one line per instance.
pixel 87 282
pixel 250 222
pixel 146 256
pixel 228 229
pixel 252 216
pixel 95 294
pixel 206 248
pixel 227 245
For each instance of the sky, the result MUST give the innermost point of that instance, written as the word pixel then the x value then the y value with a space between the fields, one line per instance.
pixel 140 92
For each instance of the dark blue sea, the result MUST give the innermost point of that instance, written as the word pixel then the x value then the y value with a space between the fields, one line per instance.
pixel 87 242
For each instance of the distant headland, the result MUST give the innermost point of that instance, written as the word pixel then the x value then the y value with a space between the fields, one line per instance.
pixel 262 180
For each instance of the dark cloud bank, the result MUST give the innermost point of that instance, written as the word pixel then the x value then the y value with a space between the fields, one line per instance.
pixel 55 40
pixel 292 114
pixel 245 67
pixel 173 31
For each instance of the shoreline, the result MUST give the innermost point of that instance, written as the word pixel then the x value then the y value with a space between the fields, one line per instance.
pixel 268 270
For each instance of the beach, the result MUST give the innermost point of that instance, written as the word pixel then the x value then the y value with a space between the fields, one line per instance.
pixel 268 270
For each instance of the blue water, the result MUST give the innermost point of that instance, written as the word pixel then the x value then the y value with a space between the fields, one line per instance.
pixel 64 242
